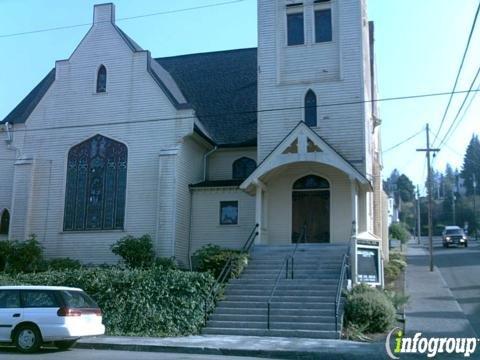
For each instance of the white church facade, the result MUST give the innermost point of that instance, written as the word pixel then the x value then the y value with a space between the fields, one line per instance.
pixel 199 148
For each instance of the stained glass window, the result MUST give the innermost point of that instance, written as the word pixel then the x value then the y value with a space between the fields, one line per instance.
pixel 4 222
pixel 228 212
pixel 102 79
pixel 243 167
pixel 311 108
pixel 311 182
pixel 96 185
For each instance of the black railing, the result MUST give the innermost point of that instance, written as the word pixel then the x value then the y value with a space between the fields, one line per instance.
pixel 226 271
pixel 345 273
pixel 285 264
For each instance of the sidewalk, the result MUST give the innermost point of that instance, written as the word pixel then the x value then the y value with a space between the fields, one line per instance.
pixel 267 347
pixel 432 308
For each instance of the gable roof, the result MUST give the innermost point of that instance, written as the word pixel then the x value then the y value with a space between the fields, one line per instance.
pixel 23 110
pixel 222 88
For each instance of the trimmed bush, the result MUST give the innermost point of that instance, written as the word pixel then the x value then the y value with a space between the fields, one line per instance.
pixel 135 252
pixel 63 264
pixel 369 309
pixel 136 302
pixel 213 258
pixel 399 231
pixel 25 256
pixel 166 263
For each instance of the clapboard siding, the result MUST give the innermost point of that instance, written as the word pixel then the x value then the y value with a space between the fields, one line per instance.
pixel 132 98
pixel 342 126
pixel 206 228
pixel 279 203
pixel 220 162
pixel 189 171
pixel 7 159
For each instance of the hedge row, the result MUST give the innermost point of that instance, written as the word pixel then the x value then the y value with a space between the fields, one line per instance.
pixel 135 302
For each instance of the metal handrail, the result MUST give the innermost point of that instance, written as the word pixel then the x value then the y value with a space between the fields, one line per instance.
pixel 340 285
pixel 285 261
pixel 226 270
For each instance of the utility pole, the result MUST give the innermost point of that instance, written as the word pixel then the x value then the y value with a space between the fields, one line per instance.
pixel 419 228
pixel 429 150
pixel 453 208
pixel 474 206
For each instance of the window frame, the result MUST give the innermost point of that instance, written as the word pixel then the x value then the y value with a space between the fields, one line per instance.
pixel 305 108
pixel 242 161
pixel 104 90
pixel 225 203
pixel 114 228
pixel 295 9
pixel 321 6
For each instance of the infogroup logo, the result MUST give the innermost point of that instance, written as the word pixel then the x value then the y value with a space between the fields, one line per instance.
pixel 431 347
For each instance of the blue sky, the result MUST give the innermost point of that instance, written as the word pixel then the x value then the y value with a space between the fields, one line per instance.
pixel 418 46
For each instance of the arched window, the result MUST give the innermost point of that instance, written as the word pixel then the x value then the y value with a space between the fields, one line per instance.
pixel 101 79
pixel 96 185
pixel 243 167
pixel 311 182
pixel 4 222
pixel 311 108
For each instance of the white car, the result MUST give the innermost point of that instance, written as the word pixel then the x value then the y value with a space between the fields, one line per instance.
pixel 33 315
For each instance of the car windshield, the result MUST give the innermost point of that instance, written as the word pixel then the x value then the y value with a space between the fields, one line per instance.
pixel 78 299
pixel 454 232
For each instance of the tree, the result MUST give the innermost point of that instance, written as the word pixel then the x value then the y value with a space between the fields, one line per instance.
pixel 405 188
pixel 471 164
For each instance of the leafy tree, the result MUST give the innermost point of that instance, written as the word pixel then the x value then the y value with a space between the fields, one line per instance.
pixel 405 188
pixel 471 164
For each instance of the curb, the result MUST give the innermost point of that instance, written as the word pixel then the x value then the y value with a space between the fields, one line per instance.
pixel 372 353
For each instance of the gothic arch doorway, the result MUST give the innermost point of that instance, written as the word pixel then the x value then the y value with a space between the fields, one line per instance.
pixel 311 209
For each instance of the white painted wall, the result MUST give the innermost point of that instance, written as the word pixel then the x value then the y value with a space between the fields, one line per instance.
pixel 278 205
pixel 333 70
pixel 206 226
pixel 220 162
pixel 132 98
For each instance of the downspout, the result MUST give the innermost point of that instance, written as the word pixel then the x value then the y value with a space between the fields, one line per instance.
pixel 205 161
pixel 189 247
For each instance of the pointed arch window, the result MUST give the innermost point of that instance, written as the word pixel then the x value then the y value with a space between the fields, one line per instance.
pixel 96 185
pixel 101 79
pixel 4 222
pixel 243 167
pixel 310 108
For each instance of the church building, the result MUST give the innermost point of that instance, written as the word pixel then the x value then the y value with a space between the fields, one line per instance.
pixel 197 149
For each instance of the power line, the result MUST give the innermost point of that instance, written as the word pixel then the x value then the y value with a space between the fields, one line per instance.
pixel 460 109
pixel 124 18
pixel 403 141
pixel 200 116
pixel 458 72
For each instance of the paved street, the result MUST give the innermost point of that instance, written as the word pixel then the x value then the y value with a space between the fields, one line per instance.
pixel 460 268
pixel 81 354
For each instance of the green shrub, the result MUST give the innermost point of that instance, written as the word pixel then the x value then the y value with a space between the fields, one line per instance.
pixel 5 249
pixel 63 264
pixel 399 231
pixel 396 255
pixel 135 252
pixel 369 309
pixel 213 258
pixel 25 256
pixel 397 299
pixel 391 272
pixel 136 302
pixel 166 263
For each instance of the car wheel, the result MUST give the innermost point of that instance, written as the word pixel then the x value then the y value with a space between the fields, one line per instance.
pixel 27 339
pixel 64 344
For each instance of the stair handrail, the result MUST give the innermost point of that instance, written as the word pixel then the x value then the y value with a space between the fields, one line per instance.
pixel 226 270
pixel 344 273
pixel 285 261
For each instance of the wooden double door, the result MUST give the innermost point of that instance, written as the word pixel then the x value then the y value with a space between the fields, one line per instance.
pixel 311 210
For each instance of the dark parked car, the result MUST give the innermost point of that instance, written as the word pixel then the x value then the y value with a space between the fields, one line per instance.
pixel 454 235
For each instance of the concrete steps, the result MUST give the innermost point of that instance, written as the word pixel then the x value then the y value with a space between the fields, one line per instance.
pixel 300 307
